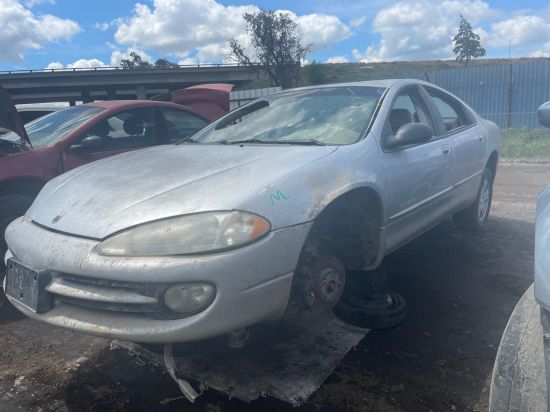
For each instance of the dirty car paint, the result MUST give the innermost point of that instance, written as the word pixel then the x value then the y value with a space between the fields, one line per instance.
pixel 288 185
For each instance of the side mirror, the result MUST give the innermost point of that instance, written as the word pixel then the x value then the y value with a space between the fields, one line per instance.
pixel 88 143
pixel 543 113
pixel 409 134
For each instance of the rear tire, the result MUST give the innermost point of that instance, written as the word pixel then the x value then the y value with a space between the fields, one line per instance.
pixel 13 206
pixel 474 217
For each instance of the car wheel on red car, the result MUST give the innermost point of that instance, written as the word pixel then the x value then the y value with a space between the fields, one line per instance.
pixel 13 206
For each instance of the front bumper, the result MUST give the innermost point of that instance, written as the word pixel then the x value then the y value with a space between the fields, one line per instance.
pixel 252 283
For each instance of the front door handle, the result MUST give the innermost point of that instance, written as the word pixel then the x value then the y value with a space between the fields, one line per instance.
pixel 446 150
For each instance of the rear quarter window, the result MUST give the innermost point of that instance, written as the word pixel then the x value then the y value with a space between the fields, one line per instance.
pixel 452 112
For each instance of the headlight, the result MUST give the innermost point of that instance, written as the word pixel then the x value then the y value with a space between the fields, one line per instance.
pixel 189 298
pixel 186 235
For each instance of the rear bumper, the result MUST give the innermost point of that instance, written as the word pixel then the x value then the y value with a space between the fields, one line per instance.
pixel 252 283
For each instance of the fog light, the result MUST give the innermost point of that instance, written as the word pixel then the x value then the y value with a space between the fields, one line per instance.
pixel 189 298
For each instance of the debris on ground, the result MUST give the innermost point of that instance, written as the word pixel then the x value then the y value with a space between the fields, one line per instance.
pixel 288 359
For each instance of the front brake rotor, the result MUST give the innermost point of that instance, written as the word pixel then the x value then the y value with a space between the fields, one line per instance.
pixel 326 280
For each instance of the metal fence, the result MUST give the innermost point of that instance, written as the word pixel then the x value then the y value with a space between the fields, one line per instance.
pixel 508 94
pixel 238 98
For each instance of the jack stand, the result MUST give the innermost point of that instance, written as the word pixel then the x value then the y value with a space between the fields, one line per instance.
pixel 184 386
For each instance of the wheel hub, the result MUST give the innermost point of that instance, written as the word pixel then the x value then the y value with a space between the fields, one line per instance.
pixel 327 280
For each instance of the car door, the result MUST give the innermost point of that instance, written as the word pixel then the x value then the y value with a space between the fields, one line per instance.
pixel 179 124
pixel 126 130
pixel 469 142
pixel 418 176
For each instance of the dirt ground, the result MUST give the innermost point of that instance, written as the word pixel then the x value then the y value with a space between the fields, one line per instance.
pixel 460 287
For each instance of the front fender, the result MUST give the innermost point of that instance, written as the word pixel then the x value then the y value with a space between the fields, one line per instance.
pixel 302 195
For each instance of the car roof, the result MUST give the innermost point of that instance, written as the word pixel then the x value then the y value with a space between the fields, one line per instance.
pixel 385 83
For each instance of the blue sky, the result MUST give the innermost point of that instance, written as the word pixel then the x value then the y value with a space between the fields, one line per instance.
pixel 78 33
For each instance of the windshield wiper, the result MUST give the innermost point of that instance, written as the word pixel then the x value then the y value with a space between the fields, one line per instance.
pixel 254 140
pixel 187 140
pixel 313 142
pixel 308 142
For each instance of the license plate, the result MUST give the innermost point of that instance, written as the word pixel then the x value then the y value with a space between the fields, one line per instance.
pixel 27 286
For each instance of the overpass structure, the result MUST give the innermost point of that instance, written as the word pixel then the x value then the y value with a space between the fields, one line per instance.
pixel 110 83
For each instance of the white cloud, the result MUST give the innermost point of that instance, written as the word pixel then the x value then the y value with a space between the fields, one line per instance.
pixel 86 64
pixel 337 59
pixel 421 30
pixel 424 29
pixel 543 51
pixel 102 26
pixel 117 55
pixel 183 27
pixel 188 61
pixel 520 30
pixel 55 65
pixel 23 31
pixel 32 3
pixel 359 21
pixel 320 30
pixel 212 52
pixel 79 64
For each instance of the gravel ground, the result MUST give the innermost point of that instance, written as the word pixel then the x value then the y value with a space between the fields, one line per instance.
pixel 460 287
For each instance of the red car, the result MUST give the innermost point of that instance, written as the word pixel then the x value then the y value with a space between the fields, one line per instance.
pixel 81 134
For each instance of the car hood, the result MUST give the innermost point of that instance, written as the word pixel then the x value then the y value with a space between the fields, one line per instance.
pixel 113 194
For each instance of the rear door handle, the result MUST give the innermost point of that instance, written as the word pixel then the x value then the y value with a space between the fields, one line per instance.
pixel 446 150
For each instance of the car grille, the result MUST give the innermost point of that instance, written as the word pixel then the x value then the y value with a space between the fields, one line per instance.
pixel 107 295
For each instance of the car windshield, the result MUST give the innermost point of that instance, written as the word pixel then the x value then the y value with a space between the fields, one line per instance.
pixel 55 126
pixel 332 116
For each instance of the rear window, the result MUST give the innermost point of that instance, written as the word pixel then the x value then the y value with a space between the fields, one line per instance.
pixel 30 115
pixel 55 126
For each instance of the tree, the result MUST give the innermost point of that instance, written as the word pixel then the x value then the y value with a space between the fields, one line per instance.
pixel 277 46
pixel 314 73
pixel 135 61
pixel 165 63
pixel 466 42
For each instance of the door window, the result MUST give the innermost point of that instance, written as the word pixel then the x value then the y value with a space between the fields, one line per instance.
pixel 408 107
pixel 125 130
pixel 181 124
pixel 452 112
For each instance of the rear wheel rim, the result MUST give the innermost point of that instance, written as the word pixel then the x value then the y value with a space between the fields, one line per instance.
pixel 484 200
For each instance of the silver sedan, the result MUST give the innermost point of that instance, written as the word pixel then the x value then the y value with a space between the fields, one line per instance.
pixel 183 242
